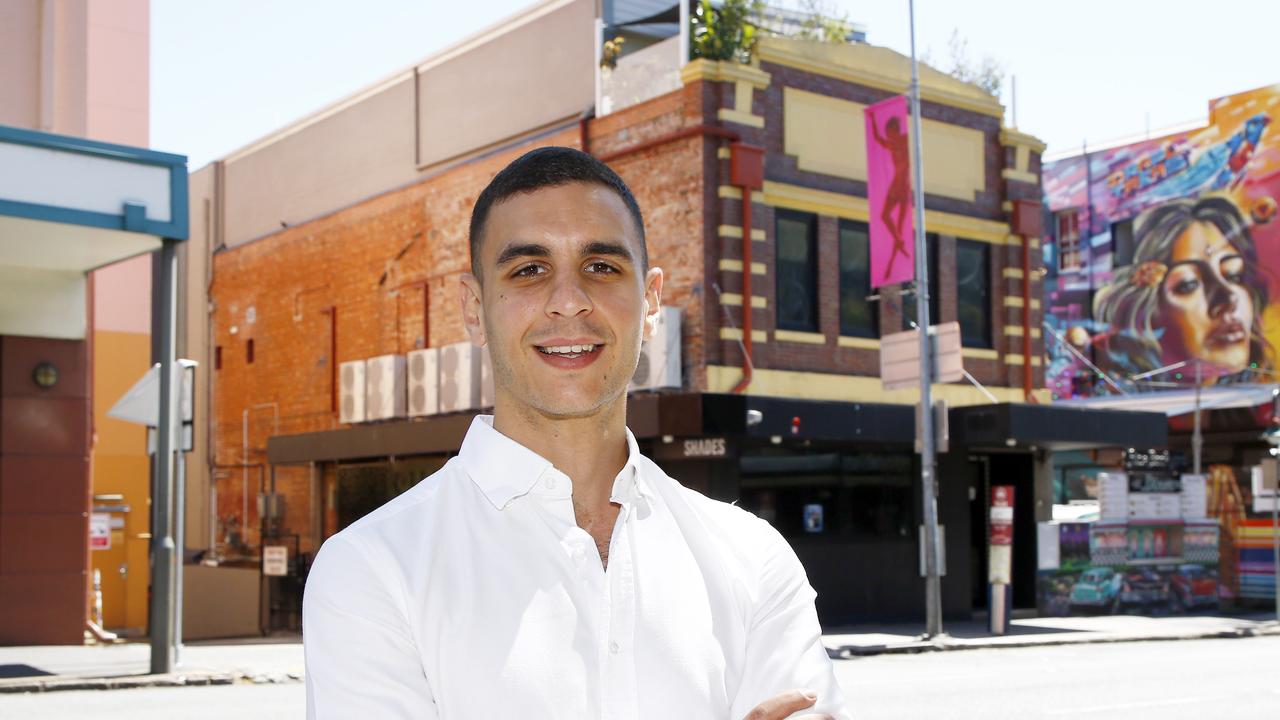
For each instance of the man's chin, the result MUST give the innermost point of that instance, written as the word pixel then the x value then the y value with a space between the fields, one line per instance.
pixel 575 407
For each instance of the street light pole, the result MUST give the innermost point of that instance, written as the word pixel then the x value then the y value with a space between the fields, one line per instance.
pixel 163 549
pixel 933 583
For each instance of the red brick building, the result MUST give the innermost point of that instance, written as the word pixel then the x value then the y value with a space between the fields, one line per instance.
pixel 378 274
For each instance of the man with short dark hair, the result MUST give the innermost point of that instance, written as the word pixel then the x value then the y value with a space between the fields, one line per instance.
pixel 550 570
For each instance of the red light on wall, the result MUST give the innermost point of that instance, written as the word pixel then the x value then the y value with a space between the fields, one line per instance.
pixel 795 425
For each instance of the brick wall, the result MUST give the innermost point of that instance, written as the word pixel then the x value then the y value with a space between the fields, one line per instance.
pixel 830 356
pixel 354 281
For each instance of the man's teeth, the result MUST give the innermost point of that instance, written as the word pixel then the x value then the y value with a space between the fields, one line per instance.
pixel 567 349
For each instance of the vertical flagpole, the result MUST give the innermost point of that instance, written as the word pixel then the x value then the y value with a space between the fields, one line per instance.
pixel 933 582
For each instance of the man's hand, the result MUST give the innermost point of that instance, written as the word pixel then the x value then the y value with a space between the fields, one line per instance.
pixel 781 706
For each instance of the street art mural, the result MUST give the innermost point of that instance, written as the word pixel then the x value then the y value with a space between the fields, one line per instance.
pixel 1167 251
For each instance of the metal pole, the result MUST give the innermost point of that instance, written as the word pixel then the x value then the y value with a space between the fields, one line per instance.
pixel 684 33
pixel 179 533
pixel 933 583
pixel 1275 544
pixel 1196 438
pixel 162 546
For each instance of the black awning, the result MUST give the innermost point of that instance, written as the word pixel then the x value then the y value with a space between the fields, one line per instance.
pixel 1055 428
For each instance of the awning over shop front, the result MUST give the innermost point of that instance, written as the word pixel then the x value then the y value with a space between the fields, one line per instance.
pixel 1181 402
pixel 70 205
pixel 1056 427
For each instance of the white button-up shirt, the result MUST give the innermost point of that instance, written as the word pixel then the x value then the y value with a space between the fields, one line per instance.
pixel 476 595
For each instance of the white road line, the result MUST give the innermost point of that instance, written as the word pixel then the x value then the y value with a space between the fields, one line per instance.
pixel 1126 706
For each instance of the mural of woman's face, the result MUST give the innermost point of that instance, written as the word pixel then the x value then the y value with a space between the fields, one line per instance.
pixel 1206 309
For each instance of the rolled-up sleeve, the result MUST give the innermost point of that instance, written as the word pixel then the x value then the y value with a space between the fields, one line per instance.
pixel 784 639
pixel 361 660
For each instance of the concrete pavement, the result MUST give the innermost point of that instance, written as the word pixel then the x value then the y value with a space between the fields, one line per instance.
pixel 280 660
pixel 1038 631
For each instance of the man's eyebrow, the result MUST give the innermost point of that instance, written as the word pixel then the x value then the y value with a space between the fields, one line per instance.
pixel 511 252
pixel 601 247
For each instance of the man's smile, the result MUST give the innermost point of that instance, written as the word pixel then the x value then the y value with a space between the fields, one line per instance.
pixel 569 354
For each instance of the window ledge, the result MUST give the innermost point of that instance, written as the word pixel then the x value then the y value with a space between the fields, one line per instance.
pixel 851 341
pixel 793 336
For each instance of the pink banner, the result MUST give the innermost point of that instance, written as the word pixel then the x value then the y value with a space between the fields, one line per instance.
pixel 889 193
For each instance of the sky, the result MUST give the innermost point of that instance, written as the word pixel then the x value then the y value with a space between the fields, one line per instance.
pixel 226 73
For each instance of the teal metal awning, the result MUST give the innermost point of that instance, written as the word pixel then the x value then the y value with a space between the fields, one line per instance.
pixel 68 206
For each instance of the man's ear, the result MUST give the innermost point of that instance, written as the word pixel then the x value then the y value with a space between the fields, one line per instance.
pixel 652 301
pixel 471 295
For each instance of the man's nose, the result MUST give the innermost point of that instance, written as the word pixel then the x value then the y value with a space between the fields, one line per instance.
pixel 569 298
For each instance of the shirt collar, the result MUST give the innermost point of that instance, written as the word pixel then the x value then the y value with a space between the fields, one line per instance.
pixel 504 469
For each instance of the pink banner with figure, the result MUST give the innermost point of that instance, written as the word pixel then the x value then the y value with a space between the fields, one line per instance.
pixel 889 193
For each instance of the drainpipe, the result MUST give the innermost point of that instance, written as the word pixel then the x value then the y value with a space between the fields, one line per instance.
pixel 244 455
pixel 746 171
pixel 332 312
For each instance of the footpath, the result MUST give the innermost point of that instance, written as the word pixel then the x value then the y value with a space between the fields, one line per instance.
pixel 279 659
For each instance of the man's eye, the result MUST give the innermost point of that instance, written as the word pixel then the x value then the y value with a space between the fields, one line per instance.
pixel 601 267
pixel 528 271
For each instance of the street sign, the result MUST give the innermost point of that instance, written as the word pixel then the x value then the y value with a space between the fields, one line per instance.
pixel 941 428
pixel 900 357
pixel 275 560
pixel 100 531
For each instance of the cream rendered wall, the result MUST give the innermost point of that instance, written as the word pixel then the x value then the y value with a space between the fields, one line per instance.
pixel 358 149
pixel 194 267
pixel 526 72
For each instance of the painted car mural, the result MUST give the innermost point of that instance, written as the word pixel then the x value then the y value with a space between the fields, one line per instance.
pixel 1096 588
pixel 1167 251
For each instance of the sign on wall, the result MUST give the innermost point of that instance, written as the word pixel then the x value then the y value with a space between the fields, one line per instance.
pixel 100 531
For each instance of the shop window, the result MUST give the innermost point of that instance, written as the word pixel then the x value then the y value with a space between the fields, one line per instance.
pixel 1067 234
pixel 829 494
pixel 880 506
pixel 973 292
pixel 1122 243
pixel 797 271
pixel 858 315
pixel 935 300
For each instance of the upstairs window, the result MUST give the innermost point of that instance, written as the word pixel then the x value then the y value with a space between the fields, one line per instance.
pixel 858 316
pixel 796 270
pixel 973 293
pixel 1067 228
pixel 935 301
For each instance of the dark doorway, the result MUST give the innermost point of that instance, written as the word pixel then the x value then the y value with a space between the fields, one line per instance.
pixel 364 488
pixel 1014 469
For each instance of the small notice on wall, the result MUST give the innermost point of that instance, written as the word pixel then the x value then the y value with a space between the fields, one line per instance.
pixel 275 560
pixel 100 531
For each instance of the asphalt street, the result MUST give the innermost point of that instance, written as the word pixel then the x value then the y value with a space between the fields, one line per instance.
pixel 1166 680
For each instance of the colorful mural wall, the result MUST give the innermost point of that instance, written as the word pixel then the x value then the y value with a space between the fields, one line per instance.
pixel 1167 250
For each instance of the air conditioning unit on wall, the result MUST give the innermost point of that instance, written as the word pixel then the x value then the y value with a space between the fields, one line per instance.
pixel 351 391
pixel 459 377
pixel 424 382
pixel 384 388
pixel 659 366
